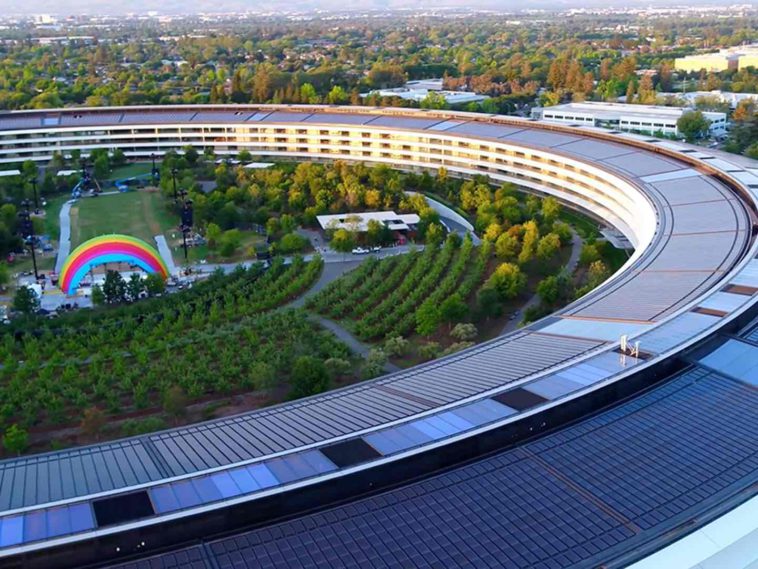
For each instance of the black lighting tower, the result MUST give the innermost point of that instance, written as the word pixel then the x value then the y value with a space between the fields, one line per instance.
pixel 173 178
pixel 27 232
pixel 155 170
pixel 187 221
pixel 34 188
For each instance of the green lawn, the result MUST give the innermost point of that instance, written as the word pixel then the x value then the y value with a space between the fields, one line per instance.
pixel 140 214
pixel 129 170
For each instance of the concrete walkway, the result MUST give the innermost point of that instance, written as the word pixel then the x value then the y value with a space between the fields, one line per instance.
pixel 165 252
pixel 331 272
pixel 64 242
pixel 355 345
pixel 570 267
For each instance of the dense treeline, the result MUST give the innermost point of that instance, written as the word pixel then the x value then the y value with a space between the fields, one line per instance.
pixel 320 62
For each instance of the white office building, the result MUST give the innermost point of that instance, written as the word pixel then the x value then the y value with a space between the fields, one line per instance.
pixel 636 118
pixel 733 99
pixel 359 221
pixel 419 94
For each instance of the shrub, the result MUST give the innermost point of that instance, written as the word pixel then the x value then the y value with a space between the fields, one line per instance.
pixel 375 362
pixel 396 346
pixel 429 351
pixel 464 332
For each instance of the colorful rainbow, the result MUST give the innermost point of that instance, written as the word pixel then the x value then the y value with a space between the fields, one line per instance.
pixel 108 249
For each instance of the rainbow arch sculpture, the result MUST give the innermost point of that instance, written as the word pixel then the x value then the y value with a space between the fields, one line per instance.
pixel 112 248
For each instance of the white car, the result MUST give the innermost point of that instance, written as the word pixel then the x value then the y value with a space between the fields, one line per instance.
pixel 360 251
pixel 376 249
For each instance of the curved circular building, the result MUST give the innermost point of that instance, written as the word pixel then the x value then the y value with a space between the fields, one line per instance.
pixel 559 445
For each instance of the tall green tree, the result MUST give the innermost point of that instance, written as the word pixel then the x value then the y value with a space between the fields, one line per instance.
pixel 309 377
pixel 26 300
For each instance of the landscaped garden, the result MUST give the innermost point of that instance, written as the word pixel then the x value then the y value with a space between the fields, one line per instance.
pixel 228 344
pixel 220 338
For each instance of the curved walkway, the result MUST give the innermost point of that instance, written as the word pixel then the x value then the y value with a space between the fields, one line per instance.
pixel 64 241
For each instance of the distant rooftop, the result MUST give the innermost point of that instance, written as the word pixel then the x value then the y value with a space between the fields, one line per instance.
pixel 359 221
pixel 613 110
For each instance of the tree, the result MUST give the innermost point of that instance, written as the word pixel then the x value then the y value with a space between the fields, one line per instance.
pixel 343 241
pixel 597 273
pixel 590 253
pixel 114 288
pixel 434 100
pixel 551 208
pixel 427 318
pixel 230 242
pixel 308 94
pixel 154 284
pixel 507 280
pixel 15 439
pixel 135 287
pixel 337 96
pixel 434 234
pixel 529 243
pixel 118 158
pixel 291 243
pixel 175 402
pixel 506 247
pixel 98 297
pixel 213 235
pixel 453 309
pixel 309 377
pixel 191 155
pixel 488 303
pixel 244 156
pixel 26 300
pixel 93 422
pixel 374 232
pixel 548 246
pixel 549 290
pixel 693 125
pixel 101 166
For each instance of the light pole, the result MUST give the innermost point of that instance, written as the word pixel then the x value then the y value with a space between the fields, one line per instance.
pixel 173 178
pixel 187 215
pixel 27 231
pixel 154 171
pixel 34 189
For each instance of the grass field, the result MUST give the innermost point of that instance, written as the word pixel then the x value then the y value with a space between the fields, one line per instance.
pixel 129 170
pixel 140 214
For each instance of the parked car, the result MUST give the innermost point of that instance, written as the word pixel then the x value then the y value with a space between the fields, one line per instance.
pixel 360 251
pixel 376 249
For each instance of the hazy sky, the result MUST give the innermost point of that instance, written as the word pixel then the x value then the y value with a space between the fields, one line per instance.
pixel 67 7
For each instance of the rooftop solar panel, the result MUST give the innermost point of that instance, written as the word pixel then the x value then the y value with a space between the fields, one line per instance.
pixel 574 498
pixel 643 164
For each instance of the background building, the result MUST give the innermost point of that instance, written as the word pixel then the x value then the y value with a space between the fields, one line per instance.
pixel 642 118
pixel 725 59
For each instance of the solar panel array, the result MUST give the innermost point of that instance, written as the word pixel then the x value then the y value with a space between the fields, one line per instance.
pixel 574 498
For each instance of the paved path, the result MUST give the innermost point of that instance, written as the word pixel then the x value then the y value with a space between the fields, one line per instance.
pixel 64 242
pixel 570 267
pixel 352 342
pixel 165 252
pixel 330 273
